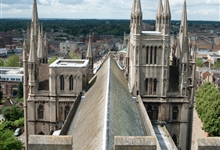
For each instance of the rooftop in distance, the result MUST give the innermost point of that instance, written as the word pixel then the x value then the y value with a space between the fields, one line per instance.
pixel 75 63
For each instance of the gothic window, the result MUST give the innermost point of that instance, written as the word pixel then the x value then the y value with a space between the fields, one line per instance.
pixel 155 55
pixel 147 51
pixel 174 139
pixel 41 133
pixel 150 111
pixel 41 112
pixel 155 85
pixel 71 83
pixel 62 82
pixel 150 86
pixel 67 110
pixel 146 85
pixel 175 112
pixel 155 112
pixel 151 55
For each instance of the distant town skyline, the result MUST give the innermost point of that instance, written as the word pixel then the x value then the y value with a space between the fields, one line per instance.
pixel 107 9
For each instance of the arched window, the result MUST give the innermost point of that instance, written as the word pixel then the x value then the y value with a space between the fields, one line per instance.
pixel 67 110
pixel 41 133
pixel 71 82
pixel 147 51
pixel 150 111
pixel 62 82
pixel 151 55
pixel 41 112
pixel 175 112
pixel 155 55
pixel 174 139
pixel 146 84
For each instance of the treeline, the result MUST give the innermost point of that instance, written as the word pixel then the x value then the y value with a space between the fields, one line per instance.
pixel 84 26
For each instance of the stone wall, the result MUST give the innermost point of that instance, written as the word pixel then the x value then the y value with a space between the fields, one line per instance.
pixel 39 142
pixel 134 143
pixel 210 143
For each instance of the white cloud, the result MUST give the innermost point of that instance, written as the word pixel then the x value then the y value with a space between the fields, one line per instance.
pixel 107 9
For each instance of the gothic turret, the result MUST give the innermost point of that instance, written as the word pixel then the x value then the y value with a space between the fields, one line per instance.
pixel 32 61
pixel 166 18
pixel 40 45
pixel 45 49
pixel 136 18
pixel 184 53
pixel 127 59
pixel 89 56
pixel 183 37
pixel 159 16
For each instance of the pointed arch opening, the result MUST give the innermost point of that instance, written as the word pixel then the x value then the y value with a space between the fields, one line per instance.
pixel 40 112
pixel 61 82
pixel 67 110
pixel 71 82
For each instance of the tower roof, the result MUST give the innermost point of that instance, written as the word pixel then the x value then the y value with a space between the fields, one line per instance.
pixel 136 8
pixel 184 24
pixel 160 8
pixel 166 10
pixel 40 42
pixel 34 12
pixel 33 38
pixel 89 50
pixel 183 36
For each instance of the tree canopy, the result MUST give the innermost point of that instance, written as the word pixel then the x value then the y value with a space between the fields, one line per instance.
pixel 199 62
pixel 20 90
pixel 1 62
pixel 52 59
pixel 7 140
pixel 12 61
pixel 207 107
pixel 12 113
pixel 216 65
pixel 73 55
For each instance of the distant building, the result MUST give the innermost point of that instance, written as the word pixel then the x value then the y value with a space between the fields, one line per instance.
pixel 10 77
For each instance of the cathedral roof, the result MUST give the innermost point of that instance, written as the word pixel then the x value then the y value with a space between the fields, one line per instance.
pixel 108 110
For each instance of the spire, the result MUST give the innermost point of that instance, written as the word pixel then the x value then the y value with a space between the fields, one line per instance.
pixel 32 55
pixel 34 13
pixel 89 50
pixel 184 21
pixel 138 7
pixel 183 36
pixel 133 7
pixel 40 43
pixel 160 8
pixel 34 34
pixel 166 10
pixel 128 50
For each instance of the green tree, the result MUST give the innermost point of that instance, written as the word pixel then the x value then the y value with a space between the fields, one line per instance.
pixel 12 113
pixel 217 64
pixel 12 61
pixel 1 62
pixel 207 107
pixel 7 139
pixel 20 90
pixel 199 62
pixel 52 59
pixel 73 55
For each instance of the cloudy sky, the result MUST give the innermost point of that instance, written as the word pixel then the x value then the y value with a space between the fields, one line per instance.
pixel 107 9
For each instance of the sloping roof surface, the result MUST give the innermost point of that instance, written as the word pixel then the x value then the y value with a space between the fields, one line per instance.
pixel 108 110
